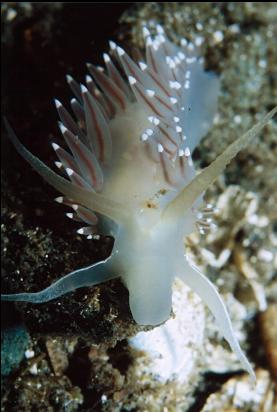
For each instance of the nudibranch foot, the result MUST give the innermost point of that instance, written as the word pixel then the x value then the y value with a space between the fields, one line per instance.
pixel 204 288
pixel 89 276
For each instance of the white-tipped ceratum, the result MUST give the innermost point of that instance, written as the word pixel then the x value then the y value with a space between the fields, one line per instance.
pixel 129 163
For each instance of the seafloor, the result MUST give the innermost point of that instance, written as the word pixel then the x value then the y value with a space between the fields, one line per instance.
pixel 76 353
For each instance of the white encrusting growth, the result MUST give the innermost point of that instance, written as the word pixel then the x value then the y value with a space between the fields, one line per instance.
pixel 129 161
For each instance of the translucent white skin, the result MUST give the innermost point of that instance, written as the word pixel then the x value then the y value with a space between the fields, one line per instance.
pixel 154 253
pixel 155 245
pixel 152 195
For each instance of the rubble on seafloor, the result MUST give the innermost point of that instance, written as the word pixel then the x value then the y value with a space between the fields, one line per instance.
pixel 85 353
pixel 237 394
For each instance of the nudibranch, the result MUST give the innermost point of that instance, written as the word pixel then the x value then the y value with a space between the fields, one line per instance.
pixel 129 166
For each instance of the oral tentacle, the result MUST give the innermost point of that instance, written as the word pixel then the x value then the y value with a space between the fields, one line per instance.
pixel 204 288
pixel 90 276
pixel 93 201
pixel 202 181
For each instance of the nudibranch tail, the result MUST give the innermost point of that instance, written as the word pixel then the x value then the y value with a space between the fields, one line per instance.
pixel 187 197
pixel 90 276
pixel 203 287
pixel 89 199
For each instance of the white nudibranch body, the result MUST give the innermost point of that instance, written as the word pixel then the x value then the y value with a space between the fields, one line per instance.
pixel 129 167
